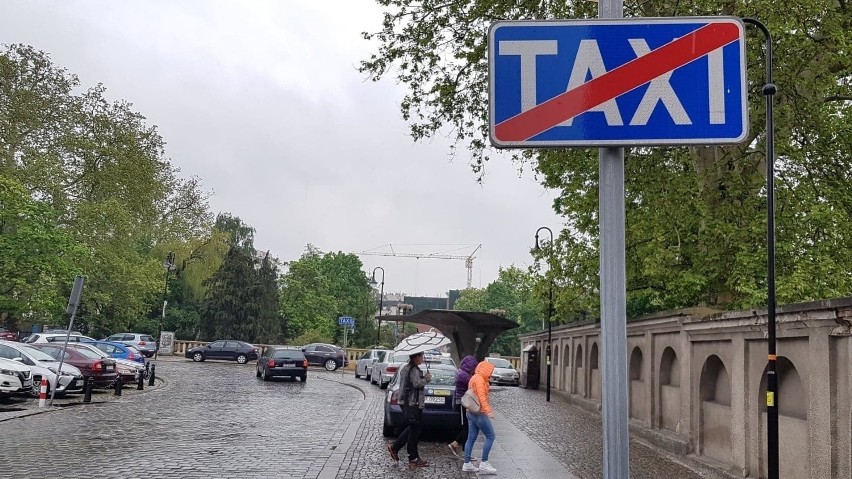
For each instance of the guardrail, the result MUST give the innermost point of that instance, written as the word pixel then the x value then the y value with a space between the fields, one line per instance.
pixel 352 354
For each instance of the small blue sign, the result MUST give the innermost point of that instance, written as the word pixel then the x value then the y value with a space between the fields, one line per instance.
pixel 664 81
pixel 346 321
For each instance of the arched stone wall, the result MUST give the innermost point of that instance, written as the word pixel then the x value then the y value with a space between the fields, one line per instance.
pixel 594 373
pixel 792 421
pixel 566 370
pixel 669 412
pixel 638 398
pixel 715 410
pixel 579 386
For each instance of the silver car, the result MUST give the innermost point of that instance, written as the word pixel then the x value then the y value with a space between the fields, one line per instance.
pixel 42 365
pixel 384 370
pixel 145 343
pixel 364 366
pixel 504 372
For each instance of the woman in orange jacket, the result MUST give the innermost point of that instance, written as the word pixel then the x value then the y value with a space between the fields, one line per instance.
pixel 479 384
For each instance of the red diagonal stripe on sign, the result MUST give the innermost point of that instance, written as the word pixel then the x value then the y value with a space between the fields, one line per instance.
pixel 617 81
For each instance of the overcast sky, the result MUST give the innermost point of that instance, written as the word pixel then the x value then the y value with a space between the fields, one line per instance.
pixel 263 101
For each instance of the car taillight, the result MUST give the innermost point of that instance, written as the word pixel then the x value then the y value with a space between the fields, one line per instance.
pixel 391 369
pixel 131 355
pixel 394 398
pixel 305 364
pixel 97 366
pixel 141 343
pixel 271 363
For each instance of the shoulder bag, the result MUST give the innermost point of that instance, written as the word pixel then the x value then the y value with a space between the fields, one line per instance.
pixel 470 401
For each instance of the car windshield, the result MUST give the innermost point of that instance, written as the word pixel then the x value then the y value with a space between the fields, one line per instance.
pixel 400 358
pixel 500 363
pixel 132 349
pixel 37 354
pixel 442 377
pixel 88 353
pixel 85 349
pixel 287 354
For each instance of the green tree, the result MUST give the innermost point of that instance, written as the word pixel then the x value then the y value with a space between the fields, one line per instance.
pixel 37 258
pixel 318 288
pixel 695 216
pixel 514 295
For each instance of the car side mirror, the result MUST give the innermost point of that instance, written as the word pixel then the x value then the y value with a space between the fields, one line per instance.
pixel 20 360
pixel 304 350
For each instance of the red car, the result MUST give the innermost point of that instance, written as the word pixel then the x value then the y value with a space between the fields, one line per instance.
pixel 7 335
pixel 101 370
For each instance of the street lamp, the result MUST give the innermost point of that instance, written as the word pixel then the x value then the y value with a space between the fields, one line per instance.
pixel 549 303
pixel 169 264
pixel 381 302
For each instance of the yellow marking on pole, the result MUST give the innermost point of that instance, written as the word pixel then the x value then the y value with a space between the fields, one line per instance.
pixel 773 357
pixel 770 399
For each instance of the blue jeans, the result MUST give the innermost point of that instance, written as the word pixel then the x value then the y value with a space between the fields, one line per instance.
pixel 476 423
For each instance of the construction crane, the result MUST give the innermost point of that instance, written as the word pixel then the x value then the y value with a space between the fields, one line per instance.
pixel 468 259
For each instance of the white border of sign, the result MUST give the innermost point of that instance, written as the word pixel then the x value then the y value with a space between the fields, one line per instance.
pixel 617 142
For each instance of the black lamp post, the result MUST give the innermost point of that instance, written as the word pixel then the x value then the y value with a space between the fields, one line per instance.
pixel 549 304
pixel 381 302
pixel 169 264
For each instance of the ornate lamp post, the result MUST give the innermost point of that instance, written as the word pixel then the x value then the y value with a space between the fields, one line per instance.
pixel 549 305
pixel 381 301
pixel 169 264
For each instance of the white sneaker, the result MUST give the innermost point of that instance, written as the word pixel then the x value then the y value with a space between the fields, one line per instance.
pixel 485 468
pixel 469 467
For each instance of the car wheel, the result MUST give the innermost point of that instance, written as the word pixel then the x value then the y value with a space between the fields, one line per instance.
pixel 330 365
pixel 357 375
pixel 36 390
pixel 387 429
pixel 198 357
pixel 304 377
pixel 257 372
pixel 383 385
pixel 242 358
pixel 266 375
pixel 368 378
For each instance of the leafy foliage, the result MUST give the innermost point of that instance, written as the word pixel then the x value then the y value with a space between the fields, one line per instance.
pixel 696 217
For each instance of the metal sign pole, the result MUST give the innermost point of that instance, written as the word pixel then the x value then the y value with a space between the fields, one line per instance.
pixel 613 291
pixel 73 303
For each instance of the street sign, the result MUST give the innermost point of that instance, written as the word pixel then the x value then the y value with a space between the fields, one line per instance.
pixel 658 81
pixel 346 321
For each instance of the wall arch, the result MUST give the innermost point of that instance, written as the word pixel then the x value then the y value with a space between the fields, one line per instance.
pixel 579 372
pixel 638 399
pixel 669 391
pixel 566 370
pixel 714 393
pixel 792 421
pixel 594 373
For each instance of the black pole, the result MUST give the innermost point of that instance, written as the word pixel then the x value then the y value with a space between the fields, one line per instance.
pixel 152 375
pixel 548 350
pixel 381 303
pixel 87 390
pixel 769 90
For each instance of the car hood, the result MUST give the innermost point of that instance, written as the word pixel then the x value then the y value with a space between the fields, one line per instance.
pixel 8 364
pixel 504 371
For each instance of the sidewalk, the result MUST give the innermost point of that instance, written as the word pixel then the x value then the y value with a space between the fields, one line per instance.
pixel 515 455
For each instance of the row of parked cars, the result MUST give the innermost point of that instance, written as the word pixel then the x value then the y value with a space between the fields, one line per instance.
pixel 24 365
pixel 273 361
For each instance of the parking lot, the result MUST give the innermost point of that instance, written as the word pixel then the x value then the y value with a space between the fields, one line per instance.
pixel 216 419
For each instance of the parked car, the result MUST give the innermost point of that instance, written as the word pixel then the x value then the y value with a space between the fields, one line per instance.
pixel 45 338
pixel 118 350
pixel 229 349
pixel 504 372
pixel 99 370
pixel 15 377
pixel 329 356
pixel 127 369
pixel 143 342
pixel 439 412
pixel 7 335
pixel 286 361
pixel 384 370
pixel 364 366
pixel 42 365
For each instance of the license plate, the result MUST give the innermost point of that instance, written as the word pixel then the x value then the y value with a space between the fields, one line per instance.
pixel 288 365
pixel 109 368
pixel 435 400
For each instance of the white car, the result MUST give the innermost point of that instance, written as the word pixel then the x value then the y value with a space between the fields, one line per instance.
pixel 504 372
pixel 42 365
pixel 364 366
pixel 42 338
pixel 384 370
pixel 14 377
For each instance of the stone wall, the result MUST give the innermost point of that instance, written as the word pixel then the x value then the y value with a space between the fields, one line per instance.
pixel 697 384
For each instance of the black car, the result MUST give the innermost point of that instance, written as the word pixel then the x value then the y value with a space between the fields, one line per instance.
pixel 286 361
pixel 440 411
pixel 238 351
pixel 327 355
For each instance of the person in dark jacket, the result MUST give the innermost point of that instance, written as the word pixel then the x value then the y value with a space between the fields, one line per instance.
pixel 463 375
pixel 412 400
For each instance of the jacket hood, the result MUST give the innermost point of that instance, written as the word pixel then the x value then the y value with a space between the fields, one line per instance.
pixel 468 364
pixel 484 369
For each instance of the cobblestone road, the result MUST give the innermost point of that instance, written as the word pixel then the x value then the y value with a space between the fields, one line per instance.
pixel 217 420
